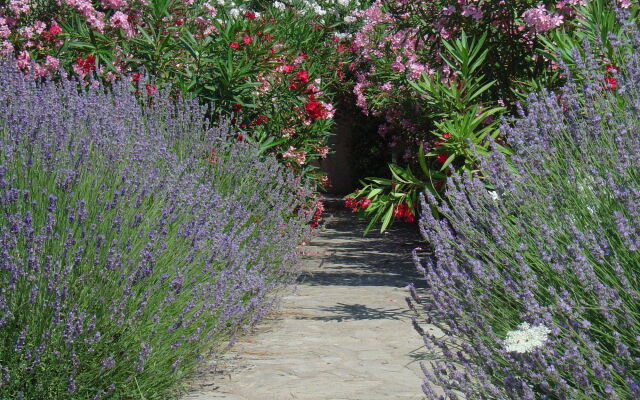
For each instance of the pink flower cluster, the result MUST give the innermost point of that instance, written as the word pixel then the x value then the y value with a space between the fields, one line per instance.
pixel 401 40
pixel 94 18
pixel 403 46
pixel 297 155
pixel 32 36
pixel 541 20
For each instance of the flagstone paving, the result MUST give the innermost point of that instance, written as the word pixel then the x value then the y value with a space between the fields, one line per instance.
pixel 343 333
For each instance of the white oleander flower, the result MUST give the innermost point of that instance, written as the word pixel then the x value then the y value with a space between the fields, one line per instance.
pixel 344 3
pixel 280 6
pixel 494 195
pixel 234 12
pixel 349 19
pixel 319 10
pixel 526 338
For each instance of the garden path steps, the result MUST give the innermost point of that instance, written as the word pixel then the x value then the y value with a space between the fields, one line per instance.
pixel 344 333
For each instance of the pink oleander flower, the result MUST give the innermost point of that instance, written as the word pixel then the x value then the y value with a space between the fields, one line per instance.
pixel 211 10
pixel 6 48
pixel 114 4
pixel 39 27
pixel 299 156
pixel 39 71
pixel 121 20
pixel 472 11
pixel 19 7
pixel 52 63
pixel 386 87
pixel 93 17
pixel 23 62
pixel 4 29
pixel 323 151
pixel 398 65
pixel 540 20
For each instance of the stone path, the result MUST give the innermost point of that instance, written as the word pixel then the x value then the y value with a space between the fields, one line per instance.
pixel 343 334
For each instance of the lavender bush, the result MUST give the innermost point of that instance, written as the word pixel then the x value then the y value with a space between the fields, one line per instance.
pixel 536 284
pixel 133 240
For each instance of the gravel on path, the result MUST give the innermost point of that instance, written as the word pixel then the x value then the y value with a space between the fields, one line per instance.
pixel 343 333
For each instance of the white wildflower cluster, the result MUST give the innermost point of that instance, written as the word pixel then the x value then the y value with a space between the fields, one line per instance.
pixel 349 19
pixel 236 8
pixel 526 338
pixel 342 35
pixel 278 5
pixel 321 8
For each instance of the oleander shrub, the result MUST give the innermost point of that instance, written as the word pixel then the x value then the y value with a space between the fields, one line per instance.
pixel 277 66
pixel 401 41
pixel 536 286
pixel 135 239
pixel 442 72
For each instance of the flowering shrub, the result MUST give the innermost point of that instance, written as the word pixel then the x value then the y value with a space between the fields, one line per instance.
pixel 133 241
pixel 535 285
pixel 461 136
pixel 441 73
pixel 276 68
pixel 400 40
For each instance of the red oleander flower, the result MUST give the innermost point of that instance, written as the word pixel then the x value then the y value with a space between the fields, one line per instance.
pixel 303 76
pixel 445 136
pixel 287 68
pixel 55 30
pixel 151 89
pixel 293 85
pixel 86 65
pixel 250 15
pixel 442 158
pixel 234 45
pixel 611 68
pixel 247 39
pixel 179 22
pixel 351 203
pixel 404 211
pixel 236 108
pixel 364 203
pixel 612 83
pixel 401 210
pixel 315 109
pixel 260 120
pixel 136 76
pixel 52 32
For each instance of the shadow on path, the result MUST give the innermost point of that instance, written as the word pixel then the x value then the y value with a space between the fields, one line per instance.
pixel 378 259
pixel 344 312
